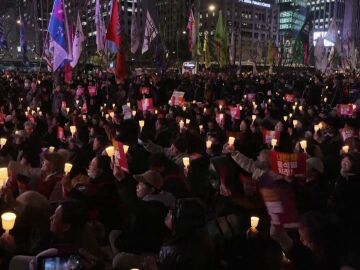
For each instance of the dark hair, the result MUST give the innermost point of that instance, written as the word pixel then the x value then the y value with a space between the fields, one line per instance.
pixel 73 213
pixel 103 163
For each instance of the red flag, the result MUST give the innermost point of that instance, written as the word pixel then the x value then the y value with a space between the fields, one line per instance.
pixel 113 31
pixel 68 73
pixel 114 34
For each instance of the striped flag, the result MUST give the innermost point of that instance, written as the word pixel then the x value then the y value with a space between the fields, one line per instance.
pixel 206 50
pixel 3 43
pixel 222 42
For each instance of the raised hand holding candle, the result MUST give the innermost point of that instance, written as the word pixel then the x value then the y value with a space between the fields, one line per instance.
pixel 141 124
pixel 208 144
pixel 186 161
pixel 67 168
pixel 126 148
pixel 303 144
pixel 8 221
pixel 72 130
pixel 273 143
pixel 187 121
pixel 110 151
pixel 231 141
pixel 4 176
pixel 316 128
pixel 2 142
pixel 254 222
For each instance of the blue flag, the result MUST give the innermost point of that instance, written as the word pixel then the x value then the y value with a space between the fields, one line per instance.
pixel 59 35
pixel 3 43
pixel 23 44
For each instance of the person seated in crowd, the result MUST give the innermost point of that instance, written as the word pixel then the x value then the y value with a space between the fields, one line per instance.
pixel 147 206
pixel 70 233
pixel 46 177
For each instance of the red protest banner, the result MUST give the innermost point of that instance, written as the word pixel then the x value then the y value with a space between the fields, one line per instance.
pixel 177 99
pixel 288 164
pixel 92 91
pixel 347 133
pixel 268 135
pixel 120 157
pixel 346 109
pixel 144 90
pixel 290 98
pixel 146 104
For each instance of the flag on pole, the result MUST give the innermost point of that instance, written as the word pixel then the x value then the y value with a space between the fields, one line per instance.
pixel 150 33
pixel 298 52
pixel 222 42
pixel 77 43
pixel 332 32
pixel 3 43
pixel 191 27
pixel 100 28
pixel 135 42
pixel 59 34
pixel 23 44
pixel 232 48
pixel 114 35
pixel 206 50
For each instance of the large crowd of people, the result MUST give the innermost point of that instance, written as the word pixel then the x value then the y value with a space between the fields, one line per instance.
pixel 169 170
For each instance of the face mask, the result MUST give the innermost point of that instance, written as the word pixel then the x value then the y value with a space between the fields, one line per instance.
pixel 91 174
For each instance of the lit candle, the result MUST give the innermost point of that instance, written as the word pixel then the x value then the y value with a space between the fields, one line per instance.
pixel 184 108
pixel 38 108
pixel 156 111
pixel 128 104
pixel 269 100
pixel 113 105
pixel 285 118
pixel 84 117
pixel 186 161
pixel 141 123
pixel 231 141
pixel 208 144
pixel 253 117
pixel 221 116
pixel 204 110
pixel 254 221
pixel 300 108
pixel 26 114
pixel 67 110
pixel 303 144
pixel 325 99
pixel 126 148
pixel 72 130
pixel 187 121
pixel 106 115
pixel 181 124
pixel 194 101
pixel 4 176
pixel 220 107
pixel 321 126
pixel 67 168
pixel 290 115
pixel 8 221
pixel 110 151
pixel 345 149
pixel 40 113
pixel 295 122
pixel 316 128
pixel 273 142
pixel 112 114
pixel 28 109
pixel 133 113
pixel 77 103
pixel 201 127
pixel 51 149
pixel 2 142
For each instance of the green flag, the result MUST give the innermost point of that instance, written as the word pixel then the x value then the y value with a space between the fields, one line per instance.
pixel 298 52
pixel 206 51
pixel 198 45
pixel 222 42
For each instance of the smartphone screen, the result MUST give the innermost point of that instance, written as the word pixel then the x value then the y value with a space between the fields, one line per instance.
pixel 71 262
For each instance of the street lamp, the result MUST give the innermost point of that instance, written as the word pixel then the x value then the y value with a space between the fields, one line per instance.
pixel 212 8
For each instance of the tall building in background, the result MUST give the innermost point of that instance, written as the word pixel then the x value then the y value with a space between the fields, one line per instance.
pixel 293 14
pixel 171 17
pixel 255 24
pixel 324 12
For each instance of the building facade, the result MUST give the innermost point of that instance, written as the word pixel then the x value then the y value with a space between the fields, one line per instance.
pixel 254 23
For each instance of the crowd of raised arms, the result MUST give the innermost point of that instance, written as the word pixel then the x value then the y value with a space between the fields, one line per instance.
pixel 218 170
